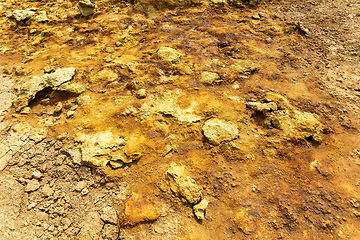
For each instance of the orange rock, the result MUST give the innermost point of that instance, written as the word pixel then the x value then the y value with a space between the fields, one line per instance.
pixel 140 208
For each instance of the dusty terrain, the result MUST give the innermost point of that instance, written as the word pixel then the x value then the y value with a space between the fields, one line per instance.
pixel 180 120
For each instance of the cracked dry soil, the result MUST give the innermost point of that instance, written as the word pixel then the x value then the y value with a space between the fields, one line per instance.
pixel 179 119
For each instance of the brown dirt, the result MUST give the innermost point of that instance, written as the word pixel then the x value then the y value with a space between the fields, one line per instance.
pixel 268 187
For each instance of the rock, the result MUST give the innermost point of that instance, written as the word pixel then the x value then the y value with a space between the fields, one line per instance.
pixel 83 100
pixel 25 110
pixel 41 17
pixel 217 131
pixel 76 88
pixel 32 185
pixel 58 108
pixel 140 208
pixel 296 125
pixel 109 215
pixel 169 55
pixel 42 36
pixel 141 93
pixel 59 77
pixel 209 78
pixel 91 227
pixel 244 223
pixel 187 118
pixel 117 161
pixel 166 104
pixel 300 25
pixel 218 1
pixel 7 70
pixel 199 209
pixel 27 90
pixel 255 16
pixel 97 149
pixel 181 185
pixel 70 113
pixel 105 75
pixel 261 107
pixel 47 191
pixel 36 174
pixel 110 232
pixel 48 69
pixel 80 186
pixel 85 191
pixel 116 164
pixel 281 102
pixel 75 155
pixel 245 67
pixel 3 161
pixel 86 7
pixel 176 171
pixel 38 135
pixel 133 150
pixel 21 15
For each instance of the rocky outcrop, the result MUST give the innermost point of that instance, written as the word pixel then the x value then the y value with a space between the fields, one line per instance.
pixel 102 148
pixel 294 124
pixel 21 15
pixel 27 90
pixel 166 103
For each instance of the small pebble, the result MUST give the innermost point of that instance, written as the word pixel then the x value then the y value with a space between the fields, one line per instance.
pixel 85 191
pixel 36 174
pixel 141 93
pixel 256 17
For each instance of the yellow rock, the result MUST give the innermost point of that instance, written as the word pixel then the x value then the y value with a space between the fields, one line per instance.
pixel 140 208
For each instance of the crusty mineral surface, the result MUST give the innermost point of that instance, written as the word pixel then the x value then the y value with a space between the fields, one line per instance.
pixel 179 119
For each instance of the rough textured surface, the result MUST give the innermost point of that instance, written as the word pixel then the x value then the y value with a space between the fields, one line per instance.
pixel 261 107
pixel 169 55
pixel 182 185
pixel 199 209
pixel 13 224
pixel 21 15
pixel 6 96
pixel 27 90
pixel 86 7
pixel 91 227
pixel 209 78
pixel 274 180
pixel 109 215
pixel 101 148
pixel 140 208
pixel 218 131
